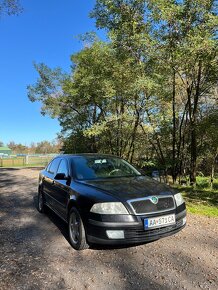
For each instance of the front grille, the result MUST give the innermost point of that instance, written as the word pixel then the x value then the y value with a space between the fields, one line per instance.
pixel 146 206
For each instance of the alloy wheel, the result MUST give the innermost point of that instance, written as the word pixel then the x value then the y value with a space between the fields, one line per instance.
pixel 74 228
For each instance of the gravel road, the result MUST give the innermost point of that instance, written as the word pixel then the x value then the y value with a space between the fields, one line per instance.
pixel 35 252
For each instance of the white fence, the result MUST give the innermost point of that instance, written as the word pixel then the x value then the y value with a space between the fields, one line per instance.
pixel 26 160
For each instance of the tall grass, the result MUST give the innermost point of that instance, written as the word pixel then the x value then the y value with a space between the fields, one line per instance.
pixel 201 199
pixel 204 182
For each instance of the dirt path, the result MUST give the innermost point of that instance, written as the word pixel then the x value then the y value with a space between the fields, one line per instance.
pixel 35 252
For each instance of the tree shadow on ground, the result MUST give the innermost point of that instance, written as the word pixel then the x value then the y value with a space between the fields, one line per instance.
pixel 202 195
pixel 55 219
pixel 198 195
pixel 33 254
pixel 28 239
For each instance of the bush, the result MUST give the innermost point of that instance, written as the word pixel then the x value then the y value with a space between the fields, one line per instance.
pixel 204 182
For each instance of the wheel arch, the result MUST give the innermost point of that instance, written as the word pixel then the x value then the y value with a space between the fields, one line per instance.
pixel 72 203
pixel 39 187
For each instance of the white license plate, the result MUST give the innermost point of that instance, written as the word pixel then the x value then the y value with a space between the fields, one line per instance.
pixel 160 221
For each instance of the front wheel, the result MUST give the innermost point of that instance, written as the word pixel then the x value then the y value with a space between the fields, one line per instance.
pixel 76 229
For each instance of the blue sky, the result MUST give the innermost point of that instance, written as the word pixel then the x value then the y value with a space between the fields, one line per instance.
pixel 45 32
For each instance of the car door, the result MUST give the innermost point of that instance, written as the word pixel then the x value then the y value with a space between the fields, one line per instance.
pixel 48 182
pixel 62 188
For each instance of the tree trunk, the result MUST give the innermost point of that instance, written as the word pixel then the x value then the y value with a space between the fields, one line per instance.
pixel 193 117
pixel 213 170
pixel 212 175
pixel 174 174
pixel 193 155
pixel 135 127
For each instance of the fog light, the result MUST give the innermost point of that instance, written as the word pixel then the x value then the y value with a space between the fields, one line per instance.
pixel 184 221
pixel 115 234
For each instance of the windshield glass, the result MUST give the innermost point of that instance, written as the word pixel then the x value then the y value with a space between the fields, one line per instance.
pixel 94 167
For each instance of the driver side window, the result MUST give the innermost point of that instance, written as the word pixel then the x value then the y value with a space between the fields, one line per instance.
pixel 52 167
pixel 63 168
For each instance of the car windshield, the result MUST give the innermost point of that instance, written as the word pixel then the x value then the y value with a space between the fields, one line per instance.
pixel 95 167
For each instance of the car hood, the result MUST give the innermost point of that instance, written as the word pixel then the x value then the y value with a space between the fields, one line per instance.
pixel 126 188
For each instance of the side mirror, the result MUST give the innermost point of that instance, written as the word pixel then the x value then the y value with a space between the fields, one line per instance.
pixel 61 176
pixel 140 170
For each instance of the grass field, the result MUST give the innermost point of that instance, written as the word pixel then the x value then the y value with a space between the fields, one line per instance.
pixel 32 161
pixel 202 199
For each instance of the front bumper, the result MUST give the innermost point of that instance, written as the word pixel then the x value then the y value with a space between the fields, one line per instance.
pixel 134 232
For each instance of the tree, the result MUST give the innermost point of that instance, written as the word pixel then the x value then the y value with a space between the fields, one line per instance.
pixel 43 147
pixel 92 101
pixel 17 148
pixel 48 90
pixel 208 141
pixel 10 7
pixel 183 36
pixel 141 94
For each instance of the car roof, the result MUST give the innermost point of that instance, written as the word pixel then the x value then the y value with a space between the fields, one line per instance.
pixel 69 156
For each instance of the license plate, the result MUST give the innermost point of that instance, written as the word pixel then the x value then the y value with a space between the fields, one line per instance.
pixel 160 221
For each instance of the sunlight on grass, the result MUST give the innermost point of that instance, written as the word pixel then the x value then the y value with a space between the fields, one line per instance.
pixel 210 211
pixel 200 201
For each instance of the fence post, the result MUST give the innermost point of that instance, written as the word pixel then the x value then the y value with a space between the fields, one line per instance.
pixel 27 159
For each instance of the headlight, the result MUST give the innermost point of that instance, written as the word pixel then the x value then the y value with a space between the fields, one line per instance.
pixel 109 208
pixel 179 199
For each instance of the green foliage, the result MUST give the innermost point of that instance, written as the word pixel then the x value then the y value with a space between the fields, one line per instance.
pixel 10 7
pixel 149 93
pixel 202 202
pixel 124 21
pixel 48 89
pixel 205 182
pixel 201 199
pixel 202 209
pixel 78 143
pixel 43 147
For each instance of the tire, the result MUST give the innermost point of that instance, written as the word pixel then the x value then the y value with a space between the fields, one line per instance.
pixel 76 230
pixel 40 202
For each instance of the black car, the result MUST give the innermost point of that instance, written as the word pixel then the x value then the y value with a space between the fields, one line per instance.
pixel 105 200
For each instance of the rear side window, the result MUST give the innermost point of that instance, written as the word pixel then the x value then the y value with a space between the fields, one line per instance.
pixel 54 166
